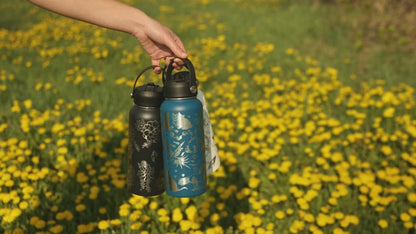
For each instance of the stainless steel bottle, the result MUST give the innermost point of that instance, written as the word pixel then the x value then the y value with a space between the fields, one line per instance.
pixel 183 134
pixel 145 159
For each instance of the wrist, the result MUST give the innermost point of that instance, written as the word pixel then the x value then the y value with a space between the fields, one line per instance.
pixel 138 25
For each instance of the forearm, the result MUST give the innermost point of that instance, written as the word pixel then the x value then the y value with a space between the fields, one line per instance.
pixel 106 13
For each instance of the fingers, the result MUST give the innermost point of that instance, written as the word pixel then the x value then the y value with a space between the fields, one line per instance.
pixel 157 70
pixel 175 44
pixel 156 64
pixel 177 64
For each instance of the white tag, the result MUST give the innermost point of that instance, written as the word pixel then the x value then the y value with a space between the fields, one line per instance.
pixel 211 152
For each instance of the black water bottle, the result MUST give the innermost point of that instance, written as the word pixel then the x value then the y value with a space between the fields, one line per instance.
pixel 145 159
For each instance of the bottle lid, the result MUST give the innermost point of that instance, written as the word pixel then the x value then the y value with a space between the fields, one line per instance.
pixel 179 86
pixel 148 95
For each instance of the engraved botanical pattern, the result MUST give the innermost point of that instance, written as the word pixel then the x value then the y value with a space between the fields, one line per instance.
pixel 184 150
pixel 149 130
pixel 145 173
pixel 181 122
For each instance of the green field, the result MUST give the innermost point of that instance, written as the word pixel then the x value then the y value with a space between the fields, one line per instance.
pixel 312 104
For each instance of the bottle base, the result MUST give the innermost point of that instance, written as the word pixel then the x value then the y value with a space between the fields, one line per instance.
pixel 156 193
pixel 185 193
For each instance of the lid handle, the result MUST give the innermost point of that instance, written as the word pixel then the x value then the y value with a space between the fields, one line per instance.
pixel 137 78
pixel 189 66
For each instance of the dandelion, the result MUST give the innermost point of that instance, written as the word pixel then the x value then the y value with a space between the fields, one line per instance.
pixel 177 215
pixel 102 210
pixel 39 224
pixel 280 214
pixel 103 224
pixel 115 222
pixel 85 228
pixel 81 177
pixel 124 210
pixel 405 217
pixel 191 212
pixel 80 207
pixel 253 182
pixel 185 225
pixel 136 226
pixel 383 223
pixel 27 103
pixel 389 112
pixel 386 150
pixel 56 229
pixel 214 218
pixel 411 197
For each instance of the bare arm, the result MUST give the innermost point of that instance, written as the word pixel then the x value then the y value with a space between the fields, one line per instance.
pixel 157 40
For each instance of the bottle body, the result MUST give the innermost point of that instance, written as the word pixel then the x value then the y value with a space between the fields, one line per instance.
pixel 145 160
pixel 183 142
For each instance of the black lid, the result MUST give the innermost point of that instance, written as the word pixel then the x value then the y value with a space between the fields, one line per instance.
pixel 179 86
pixel 149 95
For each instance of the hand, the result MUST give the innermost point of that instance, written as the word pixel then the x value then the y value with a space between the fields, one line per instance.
pixel 156 39
pixel 161 43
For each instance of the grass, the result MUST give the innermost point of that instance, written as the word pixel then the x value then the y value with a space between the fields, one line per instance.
pixel 313 112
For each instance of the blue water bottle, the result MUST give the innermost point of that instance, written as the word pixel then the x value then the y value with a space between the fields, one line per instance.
pixel 183 134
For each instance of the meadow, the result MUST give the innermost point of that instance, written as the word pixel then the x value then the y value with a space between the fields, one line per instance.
pixel 311 102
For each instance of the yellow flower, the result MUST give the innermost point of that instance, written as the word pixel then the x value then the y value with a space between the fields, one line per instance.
pixel 204 212
pixel 60 216
pixel 135 215
pixel 56 229
pixel 3 127
pixel 124 212
pixel 405 217
pixel 115 222
pixel 280 214
pixel 102 210
pixel 322 220
pixel 62 150
pixel 136 226
pixel 11 215
pixel 185 225
pixel 39 224
pixel 408 225
pixel 153 205
pixel 162 212
pixel 23 205
pixel 191 212
pixel 103 224
pixel 253 182
pixel 177 215
pixel 85 228
pixel 389 112
pixel 80 207
pixel 309 218
pixel 383 223
pixel 68 215
pixel 386 150
pixel 339 231
pixel 411 197
pixel 81 177
pixel 214 218
pixel 27 103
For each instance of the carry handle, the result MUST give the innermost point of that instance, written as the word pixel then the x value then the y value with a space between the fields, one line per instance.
pixel 188 65
pixel 137 78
